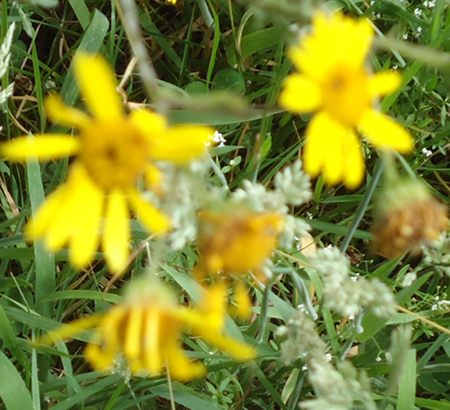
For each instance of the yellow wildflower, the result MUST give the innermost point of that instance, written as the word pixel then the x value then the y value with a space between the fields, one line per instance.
pixel 143 335
pixel 335 83
pixel 113 150
pixel 236 242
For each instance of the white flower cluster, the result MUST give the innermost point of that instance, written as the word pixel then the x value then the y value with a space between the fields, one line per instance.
pixel 183 203
pixel 337 390
pixel 5 57
pixel 302 340
pixel 256 197
pixel 439 254
pixel 294 229
pixel 346 296
pixel 294 184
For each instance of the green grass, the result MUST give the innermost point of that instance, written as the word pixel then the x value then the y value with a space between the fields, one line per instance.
pixel 243 60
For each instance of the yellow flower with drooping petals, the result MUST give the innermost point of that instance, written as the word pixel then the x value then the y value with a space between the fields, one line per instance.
pixel 143 334
pixel 334 82
pixel 113 151
pixel 235 242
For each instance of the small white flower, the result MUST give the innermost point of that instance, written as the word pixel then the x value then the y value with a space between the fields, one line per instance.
pixel 409 279
pixel 427 152
pixel 418 12
pixel 217 139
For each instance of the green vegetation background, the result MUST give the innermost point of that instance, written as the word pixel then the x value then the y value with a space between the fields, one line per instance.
pixel 243 54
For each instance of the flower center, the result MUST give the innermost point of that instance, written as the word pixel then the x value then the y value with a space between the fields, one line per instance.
pixel 346 94
pixel 114 153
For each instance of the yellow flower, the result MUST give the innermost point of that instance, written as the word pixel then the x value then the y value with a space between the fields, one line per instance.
pixel 143 335
pixel 335 83
pixel 112 151
pixel 236 242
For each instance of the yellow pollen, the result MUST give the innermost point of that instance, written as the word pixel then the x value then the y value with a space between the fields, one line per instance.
pixel 346 94
pixel 115 154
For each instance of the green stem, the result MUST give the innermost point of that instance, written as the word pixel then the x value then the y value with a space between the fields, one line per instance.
pixel 264 310
pixel 360 211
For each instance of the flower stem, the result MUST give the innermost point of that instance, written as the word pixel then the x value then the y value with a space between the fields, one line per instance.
pixel 127 11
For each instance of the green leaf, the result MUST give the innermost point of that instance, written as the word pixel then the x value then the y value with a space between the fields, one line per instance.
pixel 230 80
pixel 13 391
pixel 44 3
pixel 184 396
pixel 407 383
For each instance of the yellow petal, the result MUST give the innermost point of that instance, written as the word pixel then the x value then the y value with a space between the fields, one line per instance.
pixel 99 359
pixel 62 114
pixel 385 133
pixel 40 223
pixel 117 231
pixel 134 332
pixel 84 240
pixel 384 83
pixel 70 330
pixel 242 300
pixel 181 143
pixel 43 147
pixel 300 94
pixel 153 219
pixel 149 122
pixel 200 327
pixel 111 334
pixel 334 149
pixel 65 219
pixel 239 351
pixel 315 151
pixel 334 139
pixel 98 86
pixel 179 366
pixel 153 176
pixel 354 162
pixel 334 41
pixel 152 355
pixel 213 305
pixel 61 226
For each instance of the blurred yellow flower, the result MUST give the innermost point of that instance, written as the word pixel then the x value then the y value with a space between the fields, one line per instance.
pixel 236 242
pixel 334 82
pixel 143 334
pixel 113 150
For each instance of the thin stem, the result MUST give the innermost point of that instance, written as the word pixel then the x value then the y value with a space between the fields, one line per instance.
pixel 301 287
pixel 424 319
pixel 264 311
pixel 360 211
pixel 128 13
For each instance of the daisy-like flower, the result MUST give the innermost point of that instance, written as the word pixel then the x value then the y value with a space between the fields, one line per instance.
pixel 142 335
pixel 113 151
pixel 335 83
pixel 233 243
